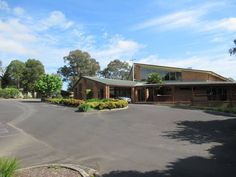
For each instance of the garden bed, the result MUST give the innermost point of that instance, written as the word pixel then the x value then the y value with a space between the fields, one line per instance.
pixel 50 171
pixel 65 101
pixel 102 104
pixel 91 104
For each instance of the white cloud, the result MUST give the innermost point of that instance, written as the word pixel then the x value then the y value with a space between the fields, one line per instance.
pixel 174 20
pixel 194 18
pixel 116 48
pixel 56 19
pixel 223 64
pixel 227 24
pixel 26 37
pixel 4 5
pixel 18 11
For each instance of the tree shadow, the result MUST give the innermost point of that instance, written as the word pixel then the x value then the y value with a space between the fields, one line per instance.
pixel 31 101
pixel 222 162
pixel 216 113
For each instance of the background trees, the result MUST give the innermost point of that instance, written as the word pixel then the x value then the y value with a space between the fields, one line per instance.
pixel 49 85
pixel 232 51
pixel 78 63
pixel 154 78
pixel 32 72
pixel 116 69
pixel 14 73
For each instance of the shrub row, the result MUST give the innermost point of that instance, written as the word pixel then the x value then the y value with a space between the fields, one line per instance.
pixel 65 101
pixel 9 93
pixel 102 104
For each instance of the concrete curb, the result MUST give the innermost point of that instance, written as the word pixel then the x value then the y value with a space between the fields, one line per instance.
pixel 84 171
pixel 116 109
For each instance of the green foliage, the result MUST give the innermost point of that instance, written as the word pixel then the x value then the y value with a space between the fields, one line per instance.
pixel 49 85
pixel 33 70
pixel 84 107
pixel 105 104
pixel 66 102
pixel 116 69
pixel 14 73
pixel 9 93
pixel 8 167
pixel 78 63
pixel 232 50
pixel 93 100
pixel 89 94
pixel 154 78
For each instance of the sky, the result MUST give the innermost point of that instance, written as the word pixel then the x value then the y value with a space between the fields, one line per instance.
pixel 181 33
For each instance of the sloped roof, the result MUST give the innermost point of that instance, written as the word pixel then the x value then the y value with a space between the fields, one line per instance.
pixel 182 69
pixel 128 83
pixel 115 82
pixel 186 83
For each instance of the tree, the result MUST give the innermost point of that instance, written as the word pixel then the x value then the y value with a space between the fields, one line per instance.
pixel 232 51
pixel 154 78
pixel 49 85
pixel 116 69
pixel 2 75
pixel 14 72
pixel 32 72
pixel 78 63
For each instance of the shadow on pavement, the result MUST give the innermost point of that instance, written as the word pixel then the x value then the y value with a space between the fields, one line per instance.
pixel 222 162
pixel 31 101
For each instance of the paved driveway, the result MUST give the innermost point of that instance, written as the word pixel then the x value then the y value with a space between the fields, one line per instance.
pixel 144 140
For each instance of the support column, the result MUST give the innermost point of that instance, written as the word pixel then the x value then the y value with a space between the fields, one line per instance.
pixel 83 90
pixel 133 95
pixel 107 91
pixel 173 94
pixel 95 90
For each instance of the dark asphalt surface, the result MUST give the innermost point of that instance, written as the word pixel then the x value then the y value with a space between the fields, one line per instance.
pixel 143 140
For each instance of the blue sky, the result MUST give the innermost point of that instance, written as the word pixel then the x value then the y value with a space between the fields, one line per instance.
pixel 182 33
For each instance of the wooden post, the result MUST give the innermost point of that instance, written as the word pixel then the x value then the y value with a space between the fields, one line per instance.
pixel 133 95
pixel 173 94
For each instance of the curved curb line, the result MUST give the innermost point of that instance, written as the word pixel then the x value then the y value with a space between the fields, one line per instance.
pixel 84 171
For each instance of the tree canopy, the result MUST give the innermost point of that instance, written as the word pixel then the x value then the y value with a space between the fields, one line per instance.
pixel 49 85
pixel 14 73
pixel 116 69
pixel 154 78
pixel 232 50
pixel 78 63
pixel 32 72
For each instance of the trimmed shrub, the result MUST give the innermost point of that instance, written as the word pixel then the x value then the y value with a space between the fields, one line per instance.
pixel 66 102
pixel 84 107
pixel 8 167
pixel 105 104
pixel 9 93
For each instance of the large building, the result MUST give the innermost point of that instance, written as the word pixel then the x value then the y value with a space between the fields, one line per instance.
pixel 180 85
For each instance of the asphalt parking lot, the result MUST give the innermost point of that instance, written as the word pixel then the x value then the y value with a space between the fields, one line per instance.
pixel 143 140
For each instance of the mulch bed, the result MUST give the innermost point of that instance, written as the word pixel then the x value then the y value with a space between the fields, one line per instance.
pixel 48 172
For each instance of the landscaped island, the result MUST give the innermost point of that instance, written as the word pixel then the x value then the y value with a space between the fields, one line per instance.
pixel 91 104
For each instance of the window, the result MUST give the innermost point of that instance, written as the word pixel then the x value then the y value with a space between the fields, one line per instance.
pixel 163 73
pixel 172 76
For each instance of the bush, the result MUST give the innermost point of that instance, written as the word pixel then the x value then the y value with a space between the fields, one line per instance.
pixel 8 167
pixel 84 107
pixel 66 102
pixel 9 93
pixel 105 104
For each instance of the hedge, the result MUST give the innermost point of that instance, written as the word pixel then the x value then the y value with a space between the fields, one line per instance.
pixel 102 104
pixel 9 93
pixel 66 102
